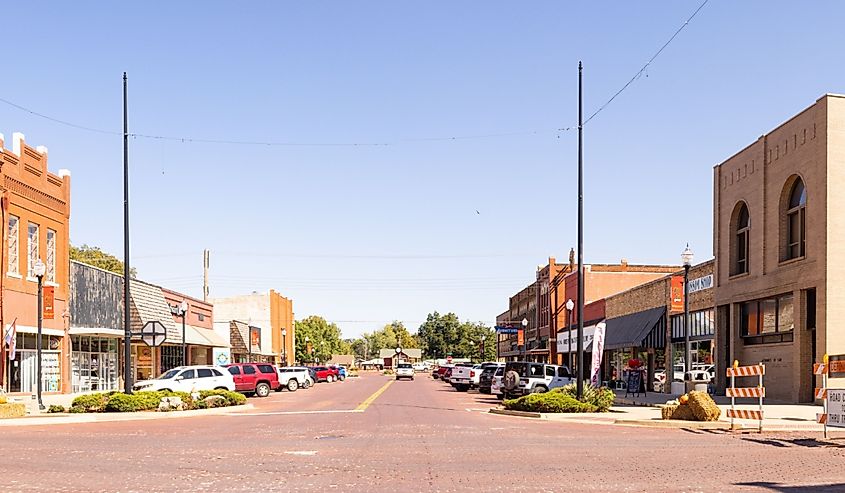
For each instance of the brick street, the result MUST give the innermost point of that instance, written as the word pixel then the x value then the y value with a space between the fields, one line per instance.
pixel 417 435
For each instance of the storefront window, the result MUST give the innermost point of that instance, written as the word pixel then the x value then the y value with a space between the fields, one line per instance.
pixel 769 320
pixel 93 364
pixel 23 370
pixel 171 357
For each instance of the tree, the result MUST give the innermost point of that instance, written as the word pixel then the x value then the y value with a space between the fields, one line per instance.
pixel 445 335
pixel 98 258
pixel 390 336
pixel 324 339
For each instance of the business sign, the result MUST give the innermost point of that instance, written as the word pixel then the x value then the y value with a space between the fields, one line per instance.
pixel 836 366
pixel 567 341
pixel 222 356
pixel 520 337
pixel 255 338
pixel 700 284
pixel 506 330
pixel 676 294
pixel 598 348
pixel 836 407
pixel 48 308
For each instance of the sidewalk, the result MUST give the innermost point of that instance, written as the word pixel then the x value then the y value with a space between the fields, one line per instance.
pixel 56 419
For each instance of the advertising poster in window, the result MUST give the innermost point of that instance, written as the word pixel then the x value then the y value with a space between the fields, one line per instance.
pixel 255 338
pixel 676 294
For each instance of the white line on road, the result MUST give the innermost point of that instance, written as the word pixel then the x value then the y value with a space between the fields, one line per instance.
pixel 301 452
pixel 277 413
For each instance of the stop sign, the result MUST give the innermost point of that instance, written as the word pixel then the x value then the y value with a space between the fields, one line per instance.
pixel 448 359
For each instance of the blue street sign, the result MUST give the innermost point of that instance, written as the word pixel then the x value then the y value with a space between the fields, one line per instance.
pixel 507 330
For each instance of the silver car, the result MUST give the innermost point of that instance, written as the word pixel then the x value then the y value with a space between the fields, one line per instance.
pixel 404 370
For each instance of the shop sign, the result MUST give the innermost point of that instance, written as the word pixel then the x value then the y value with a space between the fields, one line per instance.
pixel 48 310
pixel 567 341
pixel 836 366
pixel 676 294
pixel 255 338
pixel 221 356
pixel 520 337
pixel 836 407
pixel 700 284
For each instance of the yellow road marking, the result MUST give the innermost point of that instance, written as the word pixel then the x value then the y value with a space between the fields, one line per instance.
pixel 364 405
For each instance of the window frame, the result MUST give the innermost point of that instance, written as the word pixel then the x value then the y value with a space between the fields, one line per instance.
pixel 13 267
pixel 740 247
pixel 796 219
pixel 33 249
pixel 770 337
pixel 50 260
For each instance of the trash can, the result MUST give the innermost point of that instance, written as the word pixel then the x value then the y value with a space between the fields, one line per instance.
pixel 677 388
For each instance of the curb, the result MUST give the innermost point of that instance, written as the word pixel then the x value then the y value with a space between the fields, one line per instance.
pixel 66 419
pixel 521 414
pixel 674 423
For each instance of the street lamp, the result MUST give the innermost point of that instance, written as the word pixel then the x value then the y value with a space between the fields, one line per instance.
pixel 183 310
pixel 307 349
pixel 524 337
pixel 570 305
pixel 284 348
pixel 323 350
pixel 686 258
pixel 482 349
pixel 39 269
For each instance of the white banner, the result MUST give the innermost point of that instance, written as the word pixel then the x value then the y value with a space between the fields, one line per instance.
pixel 567 340
pixel 598 348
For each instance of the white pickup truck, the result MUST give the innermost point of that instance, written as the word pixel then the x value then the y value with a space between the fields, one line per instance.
pixel 462 377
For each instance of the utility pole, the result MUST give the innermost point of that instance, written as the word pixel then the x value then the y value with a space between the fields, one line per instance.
pixel 579 385
pixel 205 258
pixel 127 328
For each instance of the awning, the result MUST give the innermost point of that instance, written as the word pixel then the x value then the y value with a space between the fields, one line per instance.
pixel 44 330
pixel 96 331
pixel 641 329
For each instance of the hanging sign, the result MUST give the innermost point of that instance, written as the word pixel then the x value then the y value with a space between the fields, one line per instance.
pixel 676 294
pixel 48 310
pixel 598 348
pixel 520 338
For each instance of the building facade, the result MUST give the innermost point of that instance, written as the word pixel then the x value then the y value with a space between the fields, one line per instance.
pixel 778 219
pixel 261 325
pixel 36 217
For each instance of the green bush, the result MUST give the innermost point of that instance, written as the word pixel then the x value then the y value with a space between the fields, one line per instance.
pixel 599 397
pixel 139 401
pixel 549 402
pixel 91 403
pixel 232 398
pixel 76 409
pixel 55 409
pixel 388 372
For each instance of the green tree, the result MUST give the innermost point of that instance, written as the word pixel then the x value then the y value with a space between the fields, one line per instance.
pixel 98 258
pixel 445 335
pixel 395 333
pixel 323 340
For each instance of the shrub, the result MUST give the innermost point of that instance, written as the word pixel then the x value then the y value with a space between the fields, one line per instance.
pixel 55 409
pixel 599 397
pixel 91 403
pixel 388 372
pixel 76 409
pixel 549 402
pixel 139 401
pixel 232 398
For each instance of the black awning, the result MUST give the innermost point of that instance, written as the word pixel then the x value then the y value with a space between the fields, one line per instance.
pixel 636 329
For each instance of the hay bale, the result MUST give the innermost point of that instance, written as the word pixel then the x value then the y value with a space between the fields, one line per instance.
pixel 703 407
pixel 12 410
pixel 684 413
pixel 667 411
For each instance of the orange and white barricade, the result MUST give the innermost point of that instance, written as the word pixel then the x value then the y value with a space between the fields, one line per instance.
pixel 821 393
pixel 735 392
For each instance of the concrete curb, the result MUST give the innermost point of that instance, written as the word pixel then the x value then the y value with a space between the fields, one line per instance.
pixel 521 414
pixel 674 423
pixel 65 418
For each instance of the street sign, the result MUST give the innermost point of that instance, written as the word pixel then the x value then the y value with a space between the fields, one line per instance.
pixel 836 408
pixel 448 359
pixel 506 330
pixel 153 333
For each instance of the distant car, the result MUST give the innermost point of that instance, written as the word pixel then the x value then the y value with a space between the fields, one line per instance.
pixel 325 374
pixel 496 387
pixel 404 370
pixel 341 372
pixel 485 382
pixel 189 379
pixel 420 367
pixel 255 378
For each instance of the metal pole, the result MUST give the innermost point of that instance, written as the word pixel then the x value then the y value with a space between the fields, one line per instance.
pixel 127 329
pixel 249 334
pixel 284 350
pixel 579 385
pixel 38 343
pixel 184 344
pixel 687 358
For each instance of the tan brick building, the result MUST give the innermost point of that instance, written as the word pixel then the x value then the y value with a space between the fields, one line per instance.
pixel 778 219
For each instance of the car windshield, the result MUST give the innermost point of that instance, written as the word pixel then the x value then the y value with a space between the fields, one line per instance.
pixel 170 374
pixel 405 365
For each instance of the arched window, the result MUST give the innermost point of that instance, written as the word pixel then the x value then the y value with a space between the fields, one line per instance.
pixel 796 212
pixel 741 229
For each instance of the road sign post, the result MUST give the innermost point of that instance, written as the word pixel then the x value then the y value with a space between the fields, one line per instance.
pixel 153 333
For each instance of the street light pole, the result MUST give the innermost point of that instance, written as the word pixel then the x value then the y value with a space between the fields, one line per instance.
pixel 39 269
pixel 183 308
pixel 686 257
pixel 482 350
pixel 524 345
pixel 569 306
pixel 579 385
pixel 284 348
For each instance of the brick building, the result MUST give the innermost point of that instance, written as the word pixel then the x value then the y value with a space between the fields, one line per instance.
pixel 778 218
pixel 36 216
pixel 263 323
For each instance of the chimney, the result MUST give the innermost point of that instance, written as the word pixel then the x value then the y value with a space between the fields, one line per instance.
pixel 18 140
pixel 571 259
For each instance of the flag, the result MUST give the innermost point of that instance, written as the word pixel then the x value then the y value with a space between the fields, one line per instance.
pixel 10 338
pixel 598 347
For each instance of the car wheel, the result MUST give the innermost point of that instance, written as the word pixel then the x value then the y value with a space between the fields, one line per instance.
pixel 329 379
pixel 342 378
pixel 262 390
pixel 165 390
pixel 220 388
pixel 539 389
pixel 500 396
pixel 462 388
pixel 307 384
pixel 293 385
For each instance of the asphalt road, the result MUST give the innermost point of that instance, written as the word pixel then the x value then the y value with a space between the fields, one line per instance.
pixel 412 436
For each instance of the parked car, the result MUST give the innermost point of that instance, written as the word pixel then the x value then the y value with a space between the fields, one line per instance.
pixel 485 380
pixel 189 379
pixel 255 378
pixel 462 376
pixel 447 375
pixel 496 385
pixel 404 370
pixel 420 367
pixel 521 378
pixel 341 372
pixel 294 377
pixel 325 374
pixel 441 371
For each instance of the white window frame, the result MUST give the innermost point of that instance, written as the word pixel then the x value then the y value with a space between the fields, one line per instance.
pixel 50 274
pixel 14 266
pixel 33 250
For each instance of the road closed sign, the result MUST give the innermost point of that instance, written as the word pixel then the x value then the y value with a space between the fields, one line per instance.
pixel 836 407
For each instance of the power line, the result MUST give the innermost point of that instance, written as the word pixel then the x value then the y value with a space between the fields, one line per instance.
pixel 643 69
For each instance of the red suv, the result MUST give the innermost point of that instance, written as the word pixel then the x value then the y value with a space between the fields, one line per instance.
pixel 325 374
pixel 255 378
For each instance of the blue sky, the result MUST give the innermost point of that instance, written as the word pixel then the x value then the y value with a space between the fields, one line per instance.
pixel 366 234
